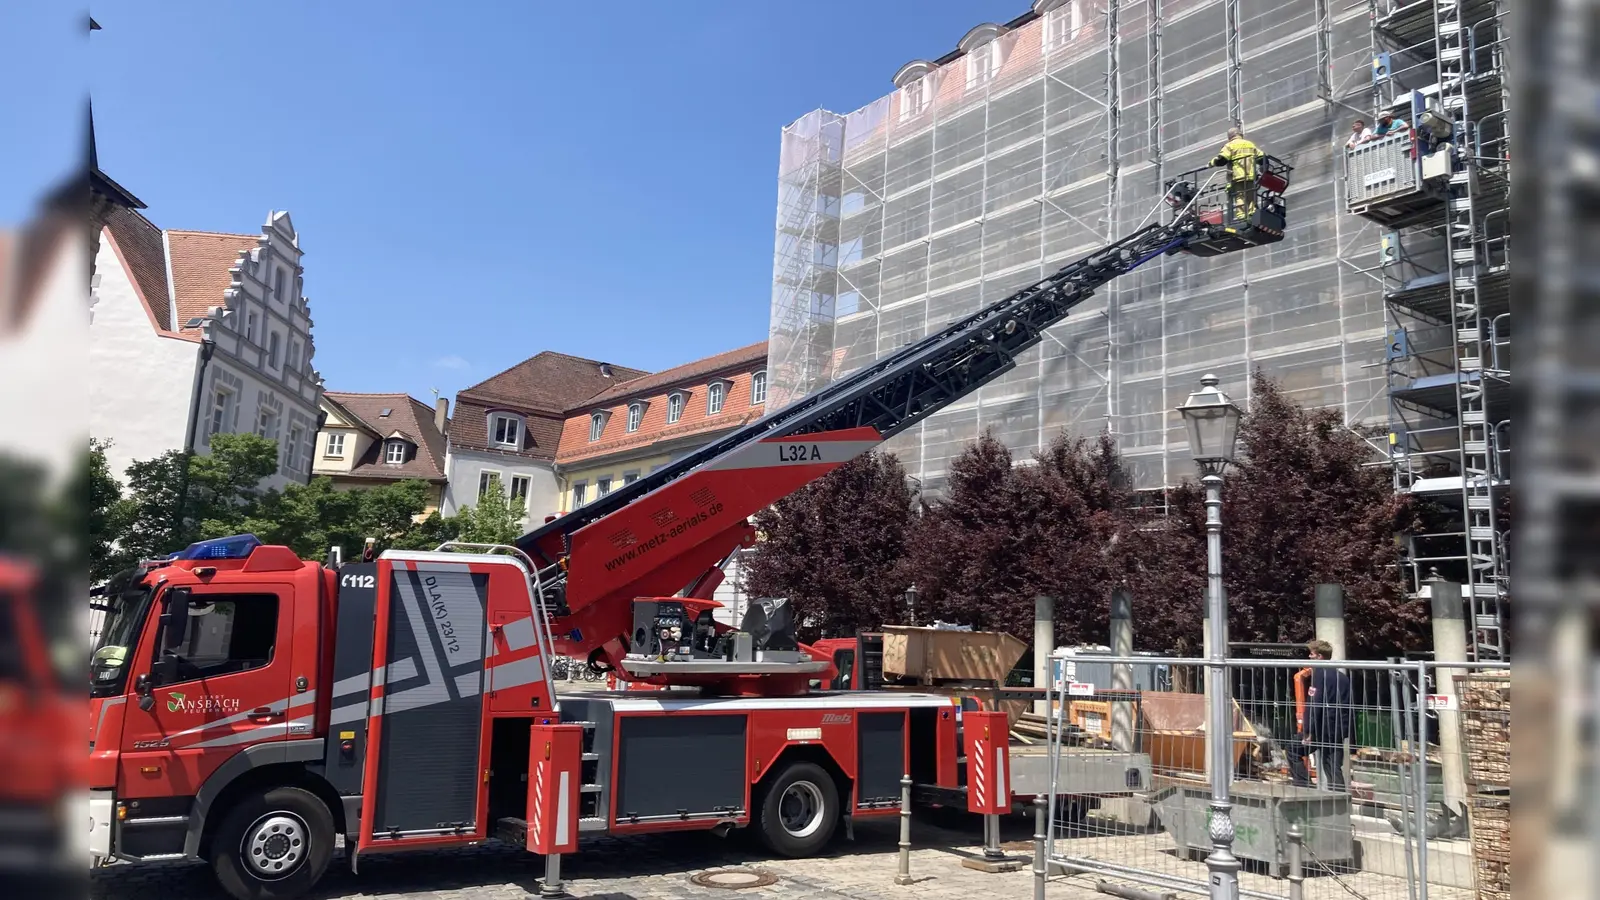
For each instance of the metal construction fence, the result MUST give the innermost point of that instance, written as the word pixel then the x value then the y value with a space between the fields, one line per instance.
pixel 1379 780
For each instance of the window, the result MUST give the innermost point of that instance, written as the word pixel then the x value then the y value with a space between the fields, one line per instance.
pixel 630 477
pixel 507 431
pixel 291 454
pixel 580 494
pixel 250 327
pixel 982 62
pixel 272 350
pixel 597 426
pixel 715 395
pixel 394 453
pixel 228 633
pixel 758 388
pixel 487 481
pixel 1063 24
pixel 221 405
pixel 674 407
pixel 635 416
pixel 602 486
pixel 267 424
pixel 519 490
pixel 335 446
pixel 294 354
pixel 277 285
pixel 914 98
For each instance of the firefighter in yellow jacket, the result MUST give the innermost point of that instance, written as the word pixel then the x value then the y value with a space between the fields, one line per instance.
pixel 1240 156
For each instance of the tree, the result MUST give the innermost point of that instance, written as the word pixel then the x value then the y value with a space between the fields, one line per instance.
pixel 492 520
pixel 1301 506
pixel 834 548
pixel 106 514
pixel 968 553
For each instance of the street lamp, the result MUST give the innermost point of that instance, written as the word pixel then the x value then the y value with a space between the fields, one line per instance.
pixel 1213 424
pixel 911 604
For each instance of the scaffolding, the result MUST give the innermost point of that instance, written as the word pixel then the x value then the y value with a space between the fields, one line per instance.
pixel 1438 193
pixel 1044 137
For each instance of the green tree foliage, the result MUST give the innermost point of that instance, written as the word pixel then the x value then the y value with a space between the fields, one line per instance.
pixel 834 548
pixel 105 513
pixel 493 520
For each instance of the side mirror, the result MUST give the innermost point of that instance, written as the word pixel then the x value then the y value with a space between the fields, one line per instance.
pixel 147 696
pixel 175 618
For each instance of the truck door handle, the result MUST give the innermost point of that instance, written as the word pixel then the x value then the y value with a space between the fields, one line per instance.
pixel 265 712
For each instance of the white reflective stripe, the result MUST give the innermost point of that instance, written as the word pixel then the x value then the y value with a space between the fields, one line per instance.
pixel 563 804
pixel 842 701
pixel 351 712
pixel 516 674
pixel 1000 781
pixel 418 618
pixel 536 814
pixel 104 705
pixel 792 452
pixel 468 684
pixel 258 733
pixel 352 684
pixel 519 634
pixel 305 699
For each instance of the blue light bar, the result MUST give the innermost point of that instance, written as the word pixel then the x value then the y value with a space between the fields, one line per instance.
pixel 236 546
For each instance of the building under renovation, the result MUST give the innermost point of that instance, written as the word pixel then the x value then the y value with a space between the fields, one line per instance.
pixel 1037 140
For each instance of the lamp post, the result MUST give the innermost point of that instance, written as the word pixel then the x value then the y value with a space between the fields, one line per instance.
pixel 1213 424
pixel 911 605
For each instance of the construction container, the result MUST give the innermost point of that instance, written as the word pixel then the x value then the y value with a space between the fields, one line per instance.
pixel 930 656
pixel 1262 814
pixel 1172 729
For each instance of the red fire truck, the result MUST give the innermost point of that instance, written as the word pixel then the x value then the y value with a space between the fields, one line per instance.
pixel 249 706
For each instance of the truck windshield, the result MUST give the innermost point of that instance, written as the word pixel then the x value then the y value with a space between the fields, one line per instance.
pixel 108 670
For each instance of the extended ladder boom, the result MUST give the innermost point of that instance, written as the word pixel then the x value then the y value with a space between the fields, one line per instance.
pixel 664 531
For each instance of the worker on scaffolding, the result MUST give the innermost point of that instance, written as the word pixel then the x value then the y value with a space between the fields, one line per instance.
pixel 1239 155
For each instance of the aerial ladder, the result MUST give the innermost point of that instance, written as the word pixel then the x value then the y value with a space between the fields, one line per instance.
pixel 669 534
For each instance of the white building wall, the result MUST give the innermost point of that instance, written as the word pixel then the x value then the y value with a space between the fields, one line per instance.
pixel 139 382
pixel 465 466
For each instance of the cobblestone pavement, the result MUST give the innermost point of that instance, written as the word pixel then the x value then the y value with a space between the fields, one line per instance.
pixel 657 867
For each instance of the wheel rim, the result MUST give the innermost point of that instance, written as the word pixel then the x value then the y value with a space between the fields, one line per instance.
pixel 800 809
pixel 275 845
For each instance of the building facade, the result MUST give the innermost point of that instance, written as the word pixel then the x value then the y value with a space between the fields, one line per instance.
pixel 506 430
pixel 194 334
pixel 641 425
pixel 636 427
pixel 1036 141
pixel 369 440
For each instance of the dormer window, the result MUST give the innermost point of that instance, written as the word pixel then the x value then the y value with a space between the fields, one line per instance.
pixel 758 388
pixel 675 406
pixel 635 416
pixel 597 425
pixel 716 397
pixel 505 431
pixel 914 98
pixel 1063 24
pixel 982 63
pixel 394 452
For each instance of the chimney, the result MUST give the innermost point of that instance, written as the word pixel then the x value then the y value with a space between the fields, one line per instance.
pixel 441 413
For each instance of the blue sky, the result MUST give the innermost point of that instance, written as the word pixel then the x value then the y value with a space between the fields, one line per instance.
pixel 476 182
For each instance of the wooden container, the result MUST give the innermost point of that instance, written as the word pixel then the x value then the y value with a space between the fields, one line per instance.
pixel 930 655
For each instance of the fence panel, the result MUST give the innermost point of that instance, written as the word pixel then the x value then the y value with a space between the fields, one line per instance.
pixel 1330 747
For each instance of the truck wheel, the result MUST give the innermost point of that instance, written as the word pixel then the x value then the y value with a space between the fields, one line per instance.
pixel 273 845
pixel 799 810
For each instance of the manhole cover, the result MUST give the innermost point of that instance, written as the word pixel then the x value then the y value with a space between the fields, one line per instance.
pixel 734 879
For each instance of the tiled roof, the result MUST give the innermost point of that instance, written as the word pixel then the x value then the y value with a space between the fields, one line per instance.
pixel 687 373
pixel 737 367
pixel 541 389
pixel 138 240
pixel 200 264
pixel 409 416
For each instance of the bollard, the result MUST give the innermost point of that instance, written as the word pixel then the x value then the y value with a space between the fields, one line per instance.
pixel 551 885
pixel 904 875
pixel 1041 835
pixel 1297 876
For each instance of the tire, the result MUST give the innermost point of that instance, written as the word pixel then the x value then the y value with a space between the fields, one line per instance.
pixel 258 836
pixel 799 811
